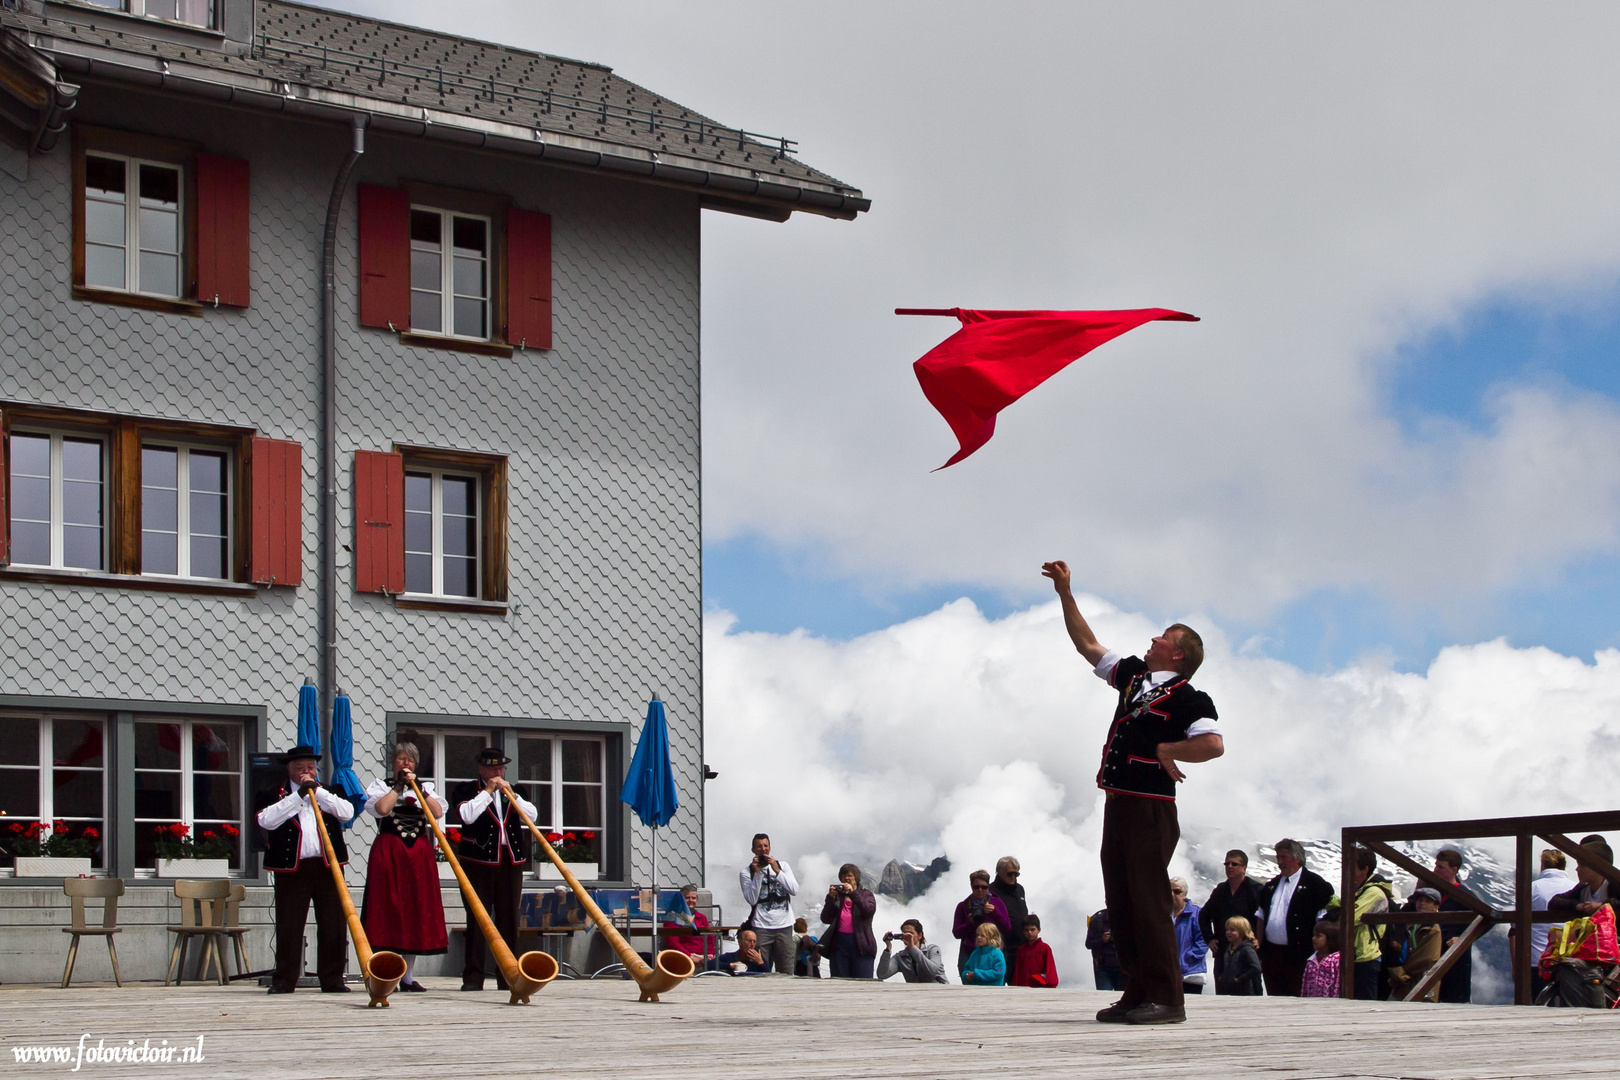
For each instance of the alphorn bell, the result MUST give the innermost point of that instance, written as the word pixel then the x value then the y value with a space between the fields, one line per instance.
pixel 523 974
pixel 674 966
pixel 382 970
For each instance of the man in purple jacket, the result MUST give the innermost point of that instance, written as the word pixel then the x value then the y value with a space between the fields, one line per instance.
pixel 1159 720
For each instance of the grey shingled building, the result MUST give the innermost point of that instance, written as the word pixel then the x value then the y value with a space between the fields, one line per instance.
pixel 513 549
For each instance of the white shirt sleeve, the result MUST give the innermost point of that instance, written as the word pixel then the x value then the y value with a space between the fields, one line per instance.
pixel 474 806
pixel 1105 667
pixel 750 886
pixel 279 813
pixel 787 878
pixel 441 806
pixel 334 804
pixel 1203 726
pixel 527 806
pixel 374 791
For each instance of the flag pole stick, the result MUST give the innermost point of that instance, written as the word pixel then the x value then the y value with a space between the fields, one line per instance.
pixel 925 311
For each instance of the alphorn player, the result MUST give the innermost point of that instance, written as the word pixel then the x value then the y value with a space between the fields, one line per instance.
pixel 294 856
pixel 403 912
pixel 1159 720
pixel 494 852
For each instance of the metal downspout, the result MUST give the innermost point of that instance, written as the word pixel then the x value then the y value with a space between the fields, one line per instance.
pixel 326 623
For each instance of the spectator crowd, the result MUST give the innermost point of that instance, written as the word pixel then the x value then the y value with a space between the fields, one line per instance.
pixel 1283 937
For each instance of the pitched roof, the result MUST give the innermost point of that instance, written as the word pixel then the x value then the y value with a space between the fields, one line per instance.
pixel 407 80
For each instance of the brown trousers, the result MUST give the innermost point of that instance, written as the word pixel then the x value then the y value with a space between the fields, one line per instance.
pixel 1139 836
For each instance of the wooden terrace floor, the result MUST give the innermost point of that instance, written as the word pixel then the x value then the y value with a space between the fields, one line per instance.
pixel 777 1028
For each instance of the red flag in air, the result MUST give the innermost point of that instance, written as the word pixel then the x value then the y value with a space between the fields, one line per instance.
pixel 999 356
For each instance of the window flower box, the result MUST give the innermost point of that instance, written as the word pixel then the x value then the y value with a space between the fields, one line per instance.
pixel 583 871
pixel 52 866
pixel 193 868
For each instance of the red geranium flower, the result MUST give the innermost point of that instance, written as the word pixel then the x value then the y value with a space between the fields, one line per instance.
pixel 232 830
pixel 589 835
pixel 180 829
pixel 569 838
pixel 553 837
pixel 454 835
pixel 16 826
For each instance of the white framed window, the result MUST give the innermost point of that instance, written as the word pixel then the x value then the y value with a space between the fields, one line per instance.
pixel 191 12
pixel 53 770
pixel 565 777
pixel 450 273
pixel 185 511
pixel 441 533
pixel 133 229
pixel 58 500
pixel 187 772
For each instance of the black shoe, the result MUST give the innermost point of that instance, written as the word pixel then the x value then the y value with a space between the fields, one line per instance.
pixel 1114 1014
pixel 274 989
pixel 472 986
pixel 1152 1013
pixel 338 989
pixel 413 988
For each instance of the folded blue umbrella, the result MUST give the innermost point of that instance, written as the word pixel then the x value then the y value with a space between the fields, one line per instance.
pixel 649 787
pixel 344 782
pixel 309 717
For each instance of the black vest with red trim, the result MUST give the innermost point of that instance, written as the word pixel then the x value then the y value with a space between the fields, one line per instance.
pixel 1130 761
pixel 281 844
pixel 481 837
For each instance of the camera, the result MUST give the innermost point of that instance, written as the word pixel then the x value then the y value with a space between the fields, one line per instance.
pixel 894 935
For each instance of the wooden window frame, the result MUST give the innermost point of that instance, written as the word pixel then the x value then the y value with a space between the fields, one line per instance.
pixel 184 448
pixel 88 139
pixel 491 471
pixel 56 432
pixel 124 435
pixel 492 207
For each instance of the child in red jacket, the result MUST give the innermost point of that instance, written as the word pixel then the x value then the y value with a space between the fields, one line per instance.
pixel 1033 964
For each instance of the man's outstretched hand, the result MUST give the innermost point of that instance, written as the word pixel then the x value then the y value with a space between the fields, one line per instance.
pixel 1058 571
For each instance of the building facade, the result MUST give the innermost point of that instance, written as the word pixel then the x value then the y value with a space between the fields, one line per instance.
pixel 514 547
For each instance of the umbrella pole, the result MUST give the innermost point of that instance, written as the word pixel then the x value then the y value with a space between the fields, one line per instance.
pixel 655 893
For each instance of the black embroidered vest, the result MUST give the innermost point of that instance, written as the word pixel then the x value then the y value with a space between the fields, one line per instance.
pixel 282 844
pixel 480 838
pixel 1130 761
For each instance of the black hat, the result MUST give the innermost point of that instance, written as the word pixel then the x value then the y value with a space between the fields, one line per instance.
pixel 491 755
pixel 302 751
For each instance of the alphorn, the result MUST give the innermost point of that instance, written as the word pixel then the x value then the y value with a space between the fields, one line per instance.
pixel 523 974
pixel 674 966
pixel 382 970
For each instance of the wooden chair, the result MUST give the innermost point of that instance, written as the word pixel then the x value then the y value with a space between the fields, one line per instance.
pixel 233 927
pixel 77 889
pixel 202 914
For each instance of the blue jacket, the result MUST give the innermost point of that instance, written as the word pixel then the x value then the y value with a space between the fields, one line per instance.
pixel 987 965
pixel 1190 945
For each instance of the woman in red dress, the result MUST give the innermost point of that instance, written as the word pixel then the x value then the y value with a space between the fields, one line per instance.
pixel 403 911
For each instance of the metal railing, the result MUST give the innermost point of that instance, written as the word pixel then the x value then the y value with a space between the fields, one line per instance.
pixel 1479 916
pixel 437 79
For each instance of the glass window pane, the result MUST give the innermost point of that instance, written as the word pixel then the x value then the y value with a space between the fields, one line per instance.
pixel 469 236
pixel 77 793
pixel 19 793
pixel 460 576
pixel 460 536
pixel 426 312
pixel 461 755
pixel 425 229
pixel 469 277
pixel 216 748
pixel 418 532
pixel 19 742
pixel 157 745
pixel 424 745
pixel 81 547
pixel 215 795
pixel 419 492
pixel 207 513
pixel 582 806
pixel 81 502
pixel 160 467
pixel 208 472
pixel 160 552
pixel 208 557
pixel 30 543
pixel 104 176
pixel 30 497
pixel 418 573
pixel 470 317
pixel 425 271
pixel 30 455
pixel 104 223
pixel 534 759
pixel 160 274
pixel 540 795
pixel 157 795
pixel 160 186
pixel 460 495
pixel 76 743
pixel 146 834
pixel 81 460
pixel 103 267
pixel 160 230
pixel 582 760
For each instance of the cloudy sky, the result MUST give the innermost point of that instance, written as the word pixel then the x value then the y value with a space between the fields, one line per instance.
pixel 1383 471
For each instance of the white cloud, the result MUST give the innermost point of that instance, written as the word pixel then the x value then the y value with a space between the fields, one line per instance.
pixel 973 738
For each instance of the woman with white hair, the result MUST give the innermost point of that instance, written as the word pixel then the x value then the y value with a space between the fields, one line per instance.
pixel 1190 945
pixel 402 911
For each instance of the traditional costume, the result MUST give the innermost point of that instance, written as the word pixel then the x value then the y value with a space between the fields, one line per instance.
pixel 403 911
pixel 494 852
pixel 297 861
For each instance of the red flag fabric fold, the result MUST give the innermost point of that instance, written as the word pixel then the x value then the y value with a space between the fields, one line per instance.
pixel 999 356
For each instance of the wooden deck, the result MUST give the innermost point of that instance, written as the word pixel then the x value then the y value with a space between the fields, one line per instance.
pixel 781 1028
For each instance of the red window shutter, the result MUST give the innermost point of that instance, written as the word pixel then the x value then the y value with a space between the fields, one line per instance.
pixel 528 279
pixel 385 257
pixel 277 544
pixel 379 522
pixel 222 230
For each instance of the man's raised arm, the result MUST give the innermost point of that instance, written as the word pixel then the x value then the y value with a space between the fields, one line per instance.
pixel 1079 632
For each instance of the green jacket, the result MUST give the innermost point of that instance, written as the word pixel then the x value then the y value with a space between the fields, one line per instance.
pixel 1371 899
